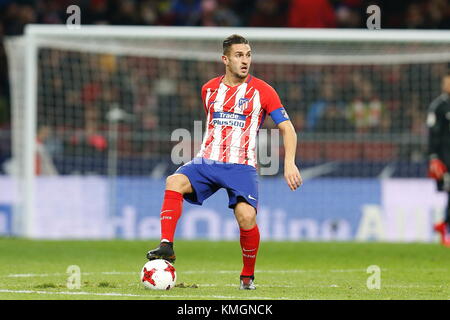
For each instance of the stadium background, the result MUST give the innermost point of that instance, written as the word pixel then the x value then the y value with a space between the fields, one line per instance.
pixel 365 123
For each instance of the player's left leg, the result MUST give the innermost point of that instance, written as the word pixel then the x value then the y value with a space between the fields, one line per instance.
pixel 447 214
pixel 249 239
pixel 241 183
pixel 447 222
pixel 443 227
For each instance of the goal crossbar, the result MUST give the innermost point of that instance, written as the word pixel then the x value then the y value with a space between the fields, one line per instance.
pixel 272 34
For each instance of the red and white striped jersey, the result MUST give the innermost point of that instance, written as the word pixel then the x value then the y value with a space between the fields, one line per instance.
pixel 234 116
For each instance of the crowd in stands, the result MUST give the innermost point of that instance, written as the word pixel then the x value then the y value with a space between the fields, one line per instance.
pixel 161 95
pixel 319 99
pixel 15 14
pixel 249 13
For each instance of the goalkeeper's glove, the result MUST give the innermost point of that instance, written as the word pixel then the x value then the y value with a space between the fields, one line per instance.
pixel 436 169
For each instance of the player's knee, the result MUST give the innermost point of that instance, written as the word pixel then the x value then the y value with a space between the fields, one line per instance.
pixel 177 182
pixel 246 217
pixel 247 221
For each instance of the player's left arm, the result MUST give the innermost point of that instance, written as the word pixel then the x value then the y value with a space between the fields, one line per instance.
pixel 279 115
pixel 291 172
pixel 435 123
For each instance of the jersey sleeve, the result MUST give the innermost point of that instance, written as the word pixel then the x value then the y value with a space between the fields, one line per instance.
pixel 273 106
pixel 204 90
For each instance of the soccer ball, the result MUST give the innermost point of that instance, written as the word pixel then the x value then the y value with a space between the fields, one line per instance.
pixel 158 275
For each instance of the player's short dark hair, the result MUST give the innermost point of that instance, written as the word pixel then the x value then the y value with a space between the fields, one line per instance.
pixel 233 39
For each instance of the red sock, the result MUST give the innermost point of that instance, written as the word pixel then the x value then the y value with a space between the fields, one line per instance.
pixel 170 213
pixel 249 245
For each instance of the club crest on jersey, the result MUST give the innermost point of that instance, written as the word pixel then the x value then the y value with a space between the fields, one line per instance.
pixel 242 105
pixel 229 119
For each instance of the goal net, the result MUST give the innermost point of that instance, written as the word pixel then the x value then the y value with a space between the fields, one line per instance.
pixel 96 113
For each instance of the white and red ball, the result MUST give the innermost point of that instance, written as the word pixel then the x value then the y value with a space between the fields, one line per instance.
pixel 158 275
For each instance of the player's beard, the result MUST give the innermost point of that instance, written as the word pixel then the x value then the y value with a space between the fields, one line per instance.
pixel 238 74
pixel 243 76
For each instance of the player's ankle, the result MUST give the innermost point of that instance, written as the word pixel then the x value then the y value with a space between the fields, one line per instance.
pixel 165 241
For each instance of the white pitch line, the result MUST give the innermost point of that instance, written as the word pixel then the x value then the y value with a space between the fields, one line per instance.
pixel 353 270
pixel 118 273
pixel 414 286
pixel 115 294
pixel 235 285
pixel 29 275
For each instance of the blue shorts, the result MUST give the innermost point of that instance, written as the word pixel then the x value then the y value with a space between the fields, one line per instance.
pixel 208 176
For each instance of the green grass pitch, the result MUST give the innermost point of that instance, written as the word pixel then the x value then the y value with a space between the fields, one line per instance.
pixel 210 270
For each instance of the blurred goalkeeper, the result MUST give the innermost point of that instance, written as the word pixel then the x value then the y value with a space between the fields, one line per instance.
pixel 235 105
pixel 438 122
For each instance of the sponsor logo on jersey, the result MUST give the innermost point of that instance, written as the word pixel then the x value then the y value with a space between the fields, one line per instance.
pixel 229 119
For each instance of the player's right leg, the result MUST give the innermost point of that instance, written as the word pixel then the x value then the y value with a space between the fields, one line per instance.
pixel 177 185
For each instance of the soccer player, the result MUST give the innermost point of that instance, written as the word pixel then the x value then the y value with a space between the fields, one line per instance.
pixel 438 122
pixel 235 105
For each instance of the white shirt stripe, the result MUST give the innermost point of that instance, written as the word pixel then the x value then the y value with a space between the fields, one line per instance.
pixel 217 135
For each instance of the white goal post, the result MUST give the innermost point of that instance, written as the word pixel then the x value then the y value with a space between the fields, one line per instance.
pixel 270 45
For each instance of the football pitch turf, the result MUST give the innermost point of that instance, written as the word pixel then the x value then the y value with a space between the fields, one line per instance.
pixel 210 270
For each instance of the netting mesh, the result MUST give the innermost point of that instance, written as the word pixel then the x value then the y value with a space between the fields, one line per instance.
pixel 108 106
pixel 370 113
